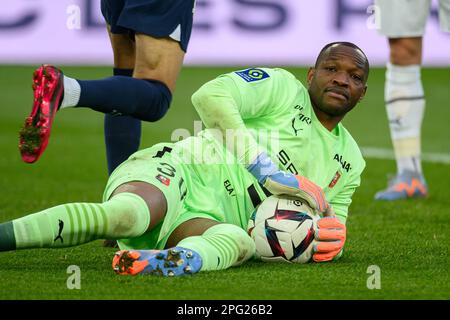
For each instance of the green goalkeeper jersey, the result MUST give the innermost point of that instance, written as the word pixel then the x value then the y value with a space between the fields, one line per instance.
pixel 277 110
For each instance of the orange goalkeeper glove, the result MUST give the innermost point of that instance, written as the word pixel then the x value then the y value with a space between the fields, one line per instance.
pixel 330 239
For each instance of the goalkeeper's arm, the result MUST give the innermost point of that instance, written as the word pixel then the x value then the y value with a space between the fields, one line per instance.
pixel 218 104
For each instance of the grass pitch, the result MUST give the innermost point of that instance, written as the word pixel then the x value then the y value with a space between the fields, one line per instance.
pixel 407 240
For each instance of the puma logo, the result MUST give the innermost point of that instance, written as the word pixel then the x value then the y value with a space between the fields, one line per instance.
pixel 293 127
pixel 61 227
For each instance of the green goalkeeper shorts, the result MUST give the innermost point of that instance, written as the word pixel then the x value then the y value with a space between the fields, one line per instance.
pixel 156 166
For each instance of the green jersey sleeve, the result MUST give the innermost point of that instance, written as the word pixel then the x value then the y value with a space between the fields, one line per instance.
pixel 341 201
pixel 232 100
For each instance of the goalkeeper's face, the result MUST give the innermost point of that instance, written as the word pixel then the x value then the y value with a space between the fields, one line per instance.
pixel 338 81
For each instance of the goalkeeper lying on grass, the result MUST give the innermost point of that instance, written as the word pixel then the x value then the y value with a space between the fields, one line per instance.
pixel 190 201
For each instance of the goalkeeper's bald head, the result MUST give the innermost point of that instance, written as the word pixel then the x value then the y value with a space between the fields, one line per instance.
pixel 334 45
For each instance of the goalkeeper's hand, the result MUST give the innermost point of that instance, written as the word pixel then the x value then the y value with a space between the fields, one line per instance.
pixel 284 183
pixel 330 239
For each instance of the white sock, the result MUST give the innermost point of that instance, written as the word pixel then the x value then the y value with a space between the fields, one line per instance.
pixel 407 154
pixel 72 91
pixel 405 105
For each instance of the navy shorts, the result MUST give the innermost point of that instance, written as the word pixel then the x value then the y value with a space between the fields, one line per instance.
pixel 156 18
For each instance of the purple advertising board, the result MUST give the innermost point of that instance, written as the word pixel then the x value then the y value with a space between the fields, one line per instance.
pixel 225 32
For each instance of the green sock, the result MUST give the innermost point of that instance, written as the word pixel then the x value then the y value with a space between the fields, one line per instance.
pixel 221 246
pixel 125 215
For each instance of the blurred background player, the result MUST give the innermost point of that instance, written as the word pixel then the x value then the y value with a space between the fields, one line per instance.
pixel 172 195
pixel 403 22
pixel 149 39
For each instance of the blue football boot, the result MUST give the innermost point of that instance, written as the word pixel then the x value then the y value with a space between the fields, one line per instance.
pixel 406 185
pixel 171 262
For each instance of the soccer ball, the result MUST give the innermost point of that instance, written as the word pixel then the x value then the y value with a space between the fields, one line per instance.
pixel 283 230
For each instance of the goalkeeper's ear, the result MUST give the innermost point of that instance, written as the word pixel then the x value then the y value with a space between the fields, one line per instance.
pixel 310 75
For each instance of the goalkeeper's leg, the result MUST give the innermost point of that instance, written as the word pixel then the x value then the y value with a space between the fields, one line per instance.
pixel 126 214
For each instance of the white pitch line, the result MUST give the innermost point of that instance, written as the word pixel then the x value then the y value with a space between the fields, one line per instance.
pixel 382 153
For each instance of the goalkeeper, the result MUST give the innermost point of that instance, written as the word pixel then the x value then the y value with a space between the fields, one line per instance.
pixel 190 201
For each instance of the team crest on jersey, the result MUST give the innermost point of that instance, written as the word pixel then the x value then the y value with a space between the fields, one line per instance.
pixel 335 179
pixel 163 180
pixel 252 74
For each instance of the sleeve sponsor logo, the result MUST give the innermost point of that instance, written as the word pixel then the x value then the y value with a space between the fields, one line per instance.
pixel 335 179
pixel 252 74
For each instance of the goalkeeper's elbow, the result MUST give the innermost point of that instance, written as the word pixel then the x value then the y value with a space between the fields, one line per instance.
pixel 213 102
pixel 201 99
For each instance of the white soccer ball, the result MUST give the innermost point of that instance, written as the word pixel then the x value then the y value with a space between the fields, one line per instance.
pixel 283 230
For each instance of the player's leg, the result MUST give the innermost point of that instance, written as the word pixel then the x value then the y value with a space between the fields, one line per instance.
pixel 124 50
pixel 148 94
pixel 160 45
pixel 405 105
pixel 146 97
pixel 403 23
pixel 136 200
pixel 162 30
pixel 444 15
pixel 119 95
pixel 122 133
pixel 157 59
pixel 198 244
pixel 123 216
pixel 405 101
pixel 143 98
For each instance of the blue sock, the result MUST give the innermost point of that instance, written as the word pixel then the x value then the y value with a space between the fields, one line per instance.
pixel 146 100
pixel 122 133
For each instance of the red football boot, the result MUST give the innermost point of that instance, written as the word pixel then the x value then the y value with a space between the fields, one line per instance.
pixel 48 89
